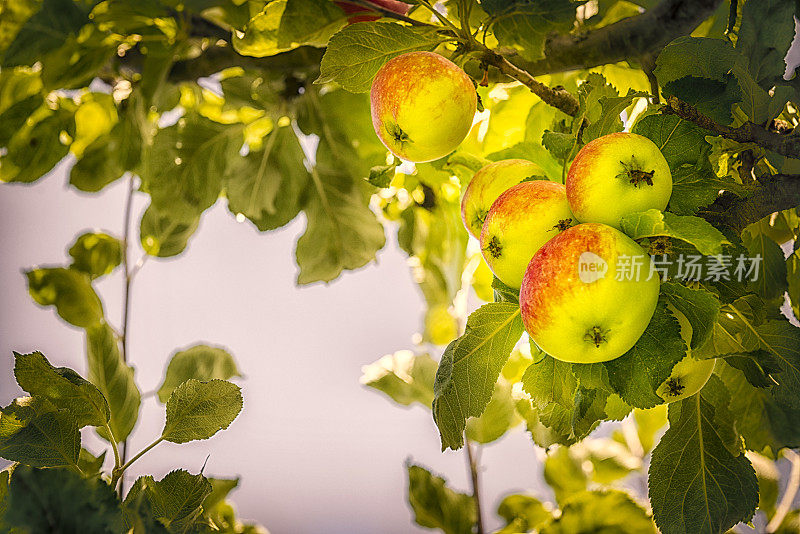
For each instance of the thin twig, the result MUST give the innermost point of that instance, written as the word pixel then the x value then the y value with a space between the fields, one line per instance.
pixel 786 145
pixel 126 295
pixel 474 473
pixel 558 98
pixel 790 493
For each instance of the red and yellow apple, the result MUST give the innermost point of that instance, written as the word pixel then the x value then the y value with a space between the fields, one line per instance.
pixel 690 374
pixel 359 13
pixel 488 184
pixel 615 175
pixel 422 106
pixel 521 220
pixel 574 305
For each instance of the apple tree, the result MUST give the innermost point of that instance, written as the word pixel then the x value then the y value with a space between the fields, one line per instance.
pixel 263 105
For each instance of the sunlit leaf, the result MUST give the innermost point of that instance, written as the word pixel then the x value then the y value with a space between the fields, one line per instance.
pixel 198 410
pixel 200 362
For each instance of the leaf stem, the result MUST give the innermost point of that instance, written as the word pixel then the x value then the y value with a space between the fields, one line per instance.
pixel 444 20
pixel 790 493
pixel 474 472
pixel 119 471
pixel 113 440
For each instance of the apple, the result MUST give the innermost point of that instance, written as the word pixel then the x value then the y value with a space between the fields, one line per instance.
pixel 690 374
pixel 522 219
pixel 422 106
pixel 359 13
pixel 573 305
pixel 615 175
pixel 488 184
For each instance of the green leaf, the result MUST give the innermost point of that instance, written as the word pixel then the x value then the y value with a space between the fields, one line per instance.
pixel 772 280
pixel 382 175
pixel 701 57
pixel 45 31
pixel 734 331
pixel 90 464
pixel 522 513
pixel 220 488
pixel 184 168
pixel 63 387
pixel 60 500
pixel 695 186
pixel 601 511
pixel 761 420
pixel 696 484
pixel 114 378
pixel 694 230
pixel 609 120
pixel 198 410
pixel 355 54
pixel 497 418
pixel 5 475
pixel 287 24
pixel 341 233
pixel 793 279
pixel 766 32
pixel 20 95
pixel 470 366
pixel 70 291
pixel 34 433
pixel 637 374
pixel 437 506
pixel 164 233
pixel 610 459
pixel 200 362
pixel 712 98
pixel 648 423
pixel 768 479
pixel 700 306
pixel 563 472
pixel 680 141
pixel 15 14
pixel 96 254
pixel 404 376
pixel 175 500
pixel 107 158
pixel 36 147
pixel 550 380
pixel 782 340
pixel 268 187
pixel 524 25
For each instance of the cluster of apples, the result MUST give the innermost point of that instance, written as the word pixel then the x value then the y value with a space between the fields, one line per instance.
pixel 560 245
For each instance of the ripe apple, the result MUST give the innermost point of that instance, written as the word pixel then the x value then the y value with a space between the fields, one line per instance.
pixel 690 374
pixel 521 220
pixel 422 106
pixel 615 175
pixel 488 184
pixel 359 13
pixel 575 308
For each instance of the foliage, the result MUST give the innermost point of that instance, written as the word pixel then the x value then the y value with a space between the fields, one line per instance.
pixel 199 102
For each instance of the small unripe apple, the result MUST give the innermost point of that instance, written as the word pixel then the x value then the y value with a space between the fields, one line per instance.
pixel 574 305
pixel 690 374
pixel 615 175
pixel 422 106
pixel 521 220
pixel 488 184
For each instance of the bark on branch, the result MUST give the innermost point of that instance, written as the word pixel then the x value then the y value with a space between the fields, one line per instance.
pixel 775 193
pixel 629 38
pixel 784 144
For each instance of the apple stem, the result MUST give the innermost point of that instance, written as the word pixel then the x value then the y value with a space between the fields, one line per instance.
pixel 595 335
pixel 494 247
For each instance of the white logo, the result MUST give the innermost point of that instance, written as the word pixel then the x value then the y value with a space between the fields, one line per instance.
pixel 591 267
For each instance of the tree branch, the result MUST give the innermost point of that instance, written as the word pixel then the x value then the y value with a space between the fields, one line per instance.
pixel 775 193
pixel 558 98
pixel 474 474
pixel 786 145
pixel 632 37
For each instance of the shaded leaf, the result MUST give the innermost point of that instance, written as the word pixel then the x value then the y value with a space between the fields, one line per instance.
pixel 62 387
pixel 693 230
pixel 700 306
pixel 404 376
pixel 34 433
pixel 114 378
pixel 165 234
pixel 437 506
pixel 95 254
pixel 70 291
pixel 601 511
pixel 200 362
